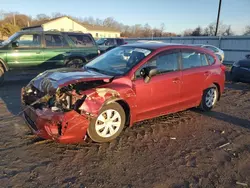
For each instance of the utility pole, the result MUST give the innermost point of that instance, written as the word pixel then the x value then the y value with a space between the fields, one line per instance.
pixel 14 19
pixel 218 19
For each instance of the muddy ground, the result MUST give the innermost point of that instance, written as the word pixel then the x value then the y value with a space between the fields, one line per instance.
pixel 187 149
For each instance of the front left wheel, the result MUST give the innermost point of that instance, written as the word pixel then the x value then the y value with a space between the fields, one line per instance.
pixel 108 124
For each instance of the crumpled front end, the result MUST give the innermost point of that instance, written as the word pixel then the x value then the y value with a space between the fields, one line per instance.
pixel 64 115
pixel 69 127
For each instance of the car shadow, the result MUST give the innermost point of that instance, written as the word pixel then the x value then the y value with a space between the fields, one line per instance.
pixel 10 93
pixel 245 123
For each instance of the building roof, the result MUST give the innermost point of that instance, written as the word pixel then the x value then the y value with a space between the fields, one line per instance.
pixel 87 26
pixel 99 28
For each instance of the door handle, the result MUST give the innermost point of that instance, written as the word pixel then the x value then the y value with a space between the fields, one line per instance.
pixel 176 80
pixel 38 52
pixel 207 73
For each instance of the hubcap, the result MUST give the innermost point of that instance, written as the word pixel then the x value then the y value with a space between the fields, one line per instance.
pixel 211 97
pixel 108 123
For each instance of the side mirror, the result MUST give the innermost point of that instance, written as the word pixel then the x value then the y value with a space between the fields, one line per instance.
pixel 148 72
pixel 15 44
pixel 248 56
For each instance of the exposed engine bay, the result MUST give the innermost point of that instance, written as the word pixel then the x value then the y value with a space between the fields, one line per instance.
pixel 65 99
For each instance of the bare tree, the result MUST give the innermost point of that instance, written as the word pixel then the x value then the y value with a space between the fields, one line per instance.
pixel 197 31
pixel 247 30
pixel 187 32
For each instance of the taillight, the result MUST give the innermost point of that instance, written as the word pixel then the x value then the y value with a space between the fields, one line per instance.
pixel 223 67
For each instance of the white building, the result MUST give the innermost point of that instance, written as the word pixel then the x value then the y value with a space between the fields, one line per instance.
pixel 67 24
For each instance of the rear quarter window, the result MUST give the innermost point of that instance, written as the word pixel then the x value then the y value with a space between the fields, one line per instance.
pixel 210 59
pixel 82 40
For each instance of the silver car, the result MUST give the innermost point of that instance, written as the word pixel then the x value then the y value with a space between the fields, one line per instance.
pixel 217 51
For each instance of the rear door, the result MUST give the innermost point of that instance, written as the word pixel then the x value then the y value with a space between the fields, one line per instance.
pixel 56 48
pixel 195 71
pixel 84 46
pixel 162 94
pixel 28 54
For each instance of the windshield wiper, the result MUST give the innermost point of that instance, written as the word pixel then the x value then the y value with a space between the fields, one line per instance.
pixel 96 70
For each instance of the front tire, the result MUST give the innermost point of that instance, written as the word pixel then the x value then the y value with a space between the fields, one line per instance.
pixel 209 98
pixel 1 75
pixel 108 124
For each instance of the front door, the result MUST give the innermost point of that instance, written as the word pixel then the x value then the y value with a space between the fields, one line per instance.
pixel 162 93
pixel 28 53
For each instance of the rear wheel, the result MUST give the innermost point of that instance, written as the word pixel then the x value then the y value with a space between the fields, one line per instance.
pixel 75 63
pixel 1 75
pixel 209 98
pixel 108 124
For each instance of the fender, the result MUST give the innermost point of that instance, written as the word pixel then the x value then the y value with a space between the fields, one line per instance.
pixel 5 66
pixel 99 97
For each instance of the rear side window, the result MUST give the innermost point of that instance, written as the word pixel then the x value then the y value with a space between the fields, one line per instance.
pixel 210 59
pixel 53 40
pixel 110 42
pixel 192 59
pixel 82 40
pixel 120 41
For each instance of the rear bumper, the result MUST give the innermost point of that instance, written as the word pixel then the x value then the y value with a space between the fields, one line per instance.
pixel 68 127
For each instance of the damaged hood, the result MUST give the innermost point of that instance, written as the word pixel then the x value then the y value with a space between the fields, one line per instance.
pixel 49 81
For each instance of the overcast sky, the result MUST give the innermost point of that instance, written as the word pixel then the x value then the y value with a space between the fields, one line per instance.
pixel 177 15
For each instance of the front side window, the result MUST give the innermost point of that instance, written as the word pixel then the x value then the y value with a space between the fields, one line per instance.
pixel 29 40
pixel 164 63
pixel 53 40
pixel 192 59
pixel 118 61
pixel 82 40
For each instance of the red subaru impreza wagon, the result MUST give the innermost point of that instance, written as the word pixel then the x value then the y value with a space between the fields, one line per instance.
pixel 127 84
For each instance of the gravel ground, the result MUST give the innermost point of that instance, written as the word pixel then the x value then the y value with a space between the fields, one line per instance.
pixel 186 149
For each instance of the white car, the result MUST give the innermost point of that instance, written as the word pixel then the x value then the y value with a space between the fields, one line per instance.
pixel 217 51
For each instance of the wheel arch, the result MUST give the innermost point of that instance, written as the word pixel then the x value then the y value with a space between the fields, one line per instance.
pixel 125 107
pixel 4 65
pixel 69 58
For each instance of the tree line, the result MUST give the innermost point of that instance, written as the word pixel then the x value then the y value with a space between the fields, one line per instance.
pixel 12 22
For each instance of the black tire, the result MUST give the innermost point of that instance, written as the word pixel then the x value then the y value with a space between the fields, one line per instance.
pixel 204 103
pixel 1 75
pixel 92 126
pixel 75 63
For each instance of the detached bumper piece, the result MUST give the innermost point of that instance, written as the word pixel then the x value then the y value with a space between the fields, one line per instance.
pixel 63 127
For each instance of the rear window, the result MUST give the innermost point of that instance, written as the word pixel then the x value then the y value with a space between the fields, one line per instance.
pixel 82 40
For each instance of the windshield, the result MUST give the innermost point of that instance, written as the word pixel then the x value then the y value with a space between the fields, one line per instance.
pixel 11 38
pixel 118 61
pixel 101 41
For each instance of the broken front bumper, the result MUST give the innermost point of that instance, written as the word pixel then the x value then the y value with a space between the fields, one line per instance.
pixel 63 127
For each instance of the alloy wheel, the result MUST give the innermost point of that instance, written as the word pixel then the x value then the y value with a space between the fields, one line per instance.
pixel 211 97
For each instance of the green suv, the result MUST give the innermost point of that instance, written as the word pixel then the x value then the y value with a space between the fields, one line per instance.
pixel 44 50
